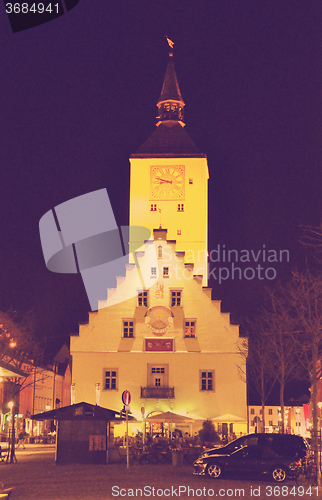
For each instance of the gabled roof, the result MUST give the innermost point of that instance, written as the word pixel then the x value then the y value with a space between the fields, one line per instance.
pixel 169 141
pixel 80 411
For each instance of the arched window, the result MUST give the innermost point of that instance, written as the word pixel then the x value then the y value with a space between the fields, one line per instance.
pixel 159 252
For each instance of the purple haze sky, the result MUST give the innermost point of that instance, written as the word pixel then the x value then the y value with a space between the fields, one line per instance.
pixel 78 97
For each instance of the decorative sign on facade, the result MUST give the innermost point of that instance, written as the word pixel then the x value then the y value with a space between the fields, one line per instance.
pixel 159 319
pixel 159 291
pixel 159 345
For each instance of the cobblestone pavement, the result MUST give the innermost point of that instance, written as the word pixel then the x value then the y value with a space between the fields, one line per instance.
pixel 36 477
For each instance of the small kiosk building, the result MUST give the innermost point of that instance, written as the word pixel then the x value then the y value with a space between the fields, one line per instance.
pixel 83 432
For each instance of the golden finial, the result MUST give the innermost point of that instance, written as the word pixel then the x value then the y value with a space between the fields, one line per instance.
pixel 171 44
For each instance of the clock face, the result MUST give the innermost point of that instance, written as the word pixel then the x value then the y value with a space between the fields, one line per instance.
pixel 167 182
pixel 159 319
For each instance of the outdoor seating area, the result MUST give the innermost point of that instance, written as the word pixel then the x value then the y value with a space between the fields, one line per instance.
pixel 160 451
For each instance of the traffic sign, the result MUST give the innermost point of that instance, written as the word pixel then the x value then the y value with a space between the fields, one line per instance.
pixel 126 397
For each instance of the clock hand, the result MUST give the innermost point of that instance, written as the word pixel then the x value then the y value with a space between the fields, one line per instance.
pixel 163 180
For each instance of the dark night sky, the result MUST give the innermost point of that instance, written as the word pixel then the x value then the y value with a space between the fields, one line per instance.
pixel 78 97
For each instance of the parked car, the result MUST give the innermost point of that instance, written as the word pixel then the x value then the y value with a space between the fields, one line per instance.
pixel 294 449
pixel 286 445
pixel 248 460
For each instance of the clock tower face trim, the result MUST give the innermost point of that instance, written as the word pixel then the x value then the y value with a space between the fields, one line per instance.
pixel 167 182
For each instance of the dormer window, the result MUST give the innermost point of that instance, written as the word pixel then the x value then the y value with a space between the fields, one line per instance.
pixel 153 272
pixel 143 298
pixel 166 272
pixel 175 298
pixel 128 328
pixel 190 328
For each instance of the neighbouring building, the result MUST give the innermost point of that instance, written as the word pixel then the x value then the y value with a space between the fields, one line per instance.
pixel 296 419
pixel 168 343
pixel 44 389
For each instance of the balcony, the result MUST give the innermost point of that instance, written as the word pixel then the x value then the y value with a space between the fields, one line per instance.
pixel 157 392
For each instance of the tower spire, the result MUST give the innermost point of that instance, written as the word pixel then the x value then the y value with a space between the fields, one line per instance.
pixel 170 104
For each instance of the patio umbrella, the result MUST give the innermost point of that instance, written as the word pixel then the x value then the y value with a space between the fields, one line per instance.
pixel 170 418
pixel 228 418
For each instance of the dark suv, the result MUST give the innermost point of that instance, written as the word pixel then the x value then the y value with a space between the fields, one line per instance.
pixel 262 453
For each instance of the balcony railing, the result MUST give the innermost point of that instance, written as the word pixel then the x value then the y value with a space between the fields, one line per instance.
pixel 157 392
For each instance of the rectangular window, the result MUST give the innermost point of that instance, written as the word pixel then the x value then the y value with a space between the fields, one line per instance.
pixel 178 232
pixel 110 382
pixel 157 370
pixel 261 411
pixel 270 411
pixel 190 328
pixel 252 411
pixel 166 272
pixel 143 298
pixel 206 380
pixel 153 207
pixel 180 207
pixel 190 181
pixel 270 422
pixel 175 298
pixel 128 328
pixel 252 423
pixel 153 272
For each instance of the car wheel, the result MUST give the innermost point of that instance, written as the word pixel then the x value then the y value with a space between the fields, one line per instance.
pixel 279 474
pixel 214 471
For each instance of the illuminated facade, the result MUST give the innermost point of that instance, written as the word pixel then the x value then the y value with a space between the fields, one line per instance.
pixel 168 344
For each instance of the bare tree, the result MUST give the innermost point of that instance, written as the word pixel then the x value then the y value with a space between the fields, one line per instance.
pixel 305 297
pixel 257 360
pixel 279 323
